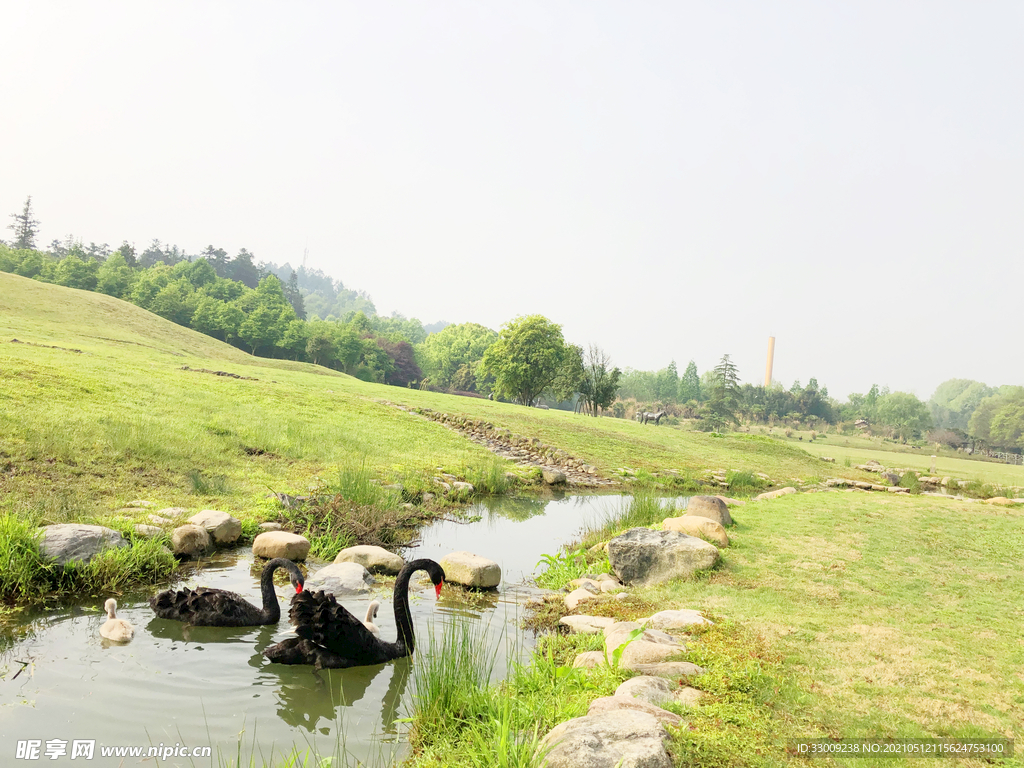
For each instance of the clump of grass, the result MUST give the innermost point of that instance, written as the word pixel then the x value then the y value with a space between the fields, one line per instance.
pixel 643 510
pixel 560 569
pixel 200 484
pixel 22 562
pixel 452 673
pixel 491 477
pixel 743 482
pixel 909 480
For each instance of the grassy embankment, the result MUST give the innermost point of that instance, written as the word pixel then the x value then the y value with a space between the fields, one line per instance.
pixel 858 449
pixel 840 615
pixel 96 410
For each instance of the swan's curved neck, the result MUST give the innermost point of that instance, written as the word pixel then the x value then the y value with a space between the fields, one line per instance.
pixel 402 617
pixel 271 607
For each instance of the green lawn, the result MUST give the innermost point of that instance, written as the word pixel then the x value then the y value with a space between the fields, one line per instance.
pixel 859 449
pixel 895 616
pixel 121 419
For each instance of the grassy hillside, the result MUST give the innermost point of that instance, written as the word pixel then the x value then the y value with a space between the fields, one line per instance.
pixel 107 411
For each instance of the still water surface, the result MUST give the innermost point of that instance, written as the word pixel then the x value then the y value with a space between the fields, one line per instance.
pixel 211 686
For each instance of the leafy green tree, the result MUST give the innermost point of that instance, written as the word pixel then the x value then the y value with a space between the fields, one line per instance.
pixel 175 302
pixel 904 415
pixel 999 419
pixel 25 227
pixel 689 384
pixel 526 358
pixel 955 401
pixel 207 317
pixel 31 264
pixel 73 272
pixel 570 375
pixel 455 351
pixel 320 345
pixel 262 328
pixel 666 384
pixel 600 383
pixel 114 277
pixel 639 385
pixel 218 259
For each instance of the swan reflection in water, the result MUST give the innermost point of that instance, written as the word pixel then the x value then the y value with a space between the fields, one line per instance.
pixel 313 700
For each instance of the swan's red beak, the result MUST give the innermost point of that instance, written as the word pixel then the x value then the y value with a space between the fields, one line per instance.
pixel 298 588
pixel 437 589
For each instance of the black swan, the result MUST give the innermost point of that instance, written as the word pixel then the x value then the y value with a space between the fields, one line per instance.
pixel 331 637
pixel 207 607
pixel 115 629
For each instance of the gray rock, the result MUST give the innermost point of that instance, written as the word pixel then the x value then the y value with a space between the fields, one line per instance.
pixel 642 652
pixel 270 526
pixel 586 625
pixel 222 527
pixel 290 546
pixel 577 596
pixel 642 557
pixel 172 512
pixel 158 520
pixel 618 703
pixel 141 504
pixel 471 570
pixel 148 531
pixel 701 527
pixel 676 619
pixel 654 690
pixel 617 739
pixel 190 541
pixel 553 476
pixel 711 507
pixel 374 559
pixel 428 497
pixel 341 579
pixel 670 669
pixel 465 488
pixel 588 660
pixel 72 541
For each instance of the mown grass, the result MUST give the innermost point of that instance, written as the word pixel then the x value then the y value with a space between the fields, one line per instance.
pixel 848 615
pixel 859 449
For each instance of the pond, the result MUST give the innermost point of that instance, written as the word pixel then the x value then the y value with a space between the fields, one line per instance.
pixel 176 687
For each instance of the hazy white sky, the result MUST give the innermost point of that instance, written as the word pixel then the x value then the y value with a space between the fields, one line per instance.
pixel 670 180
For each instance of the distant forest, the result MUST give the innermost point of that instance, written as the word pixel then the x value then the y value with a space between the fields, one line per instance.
pixel 279 311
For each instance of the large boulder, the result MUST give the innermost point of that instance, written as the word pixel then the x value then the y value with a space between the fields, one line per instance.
pixel 172 512
pixel 586 625
pixel 782 492
pixel 553 476
pixel 577 596
pixel 710 507
pixel 222 527
pixel 190 541
pixel 619 703
pixel 341 579
pixel 618 739
pixel 471 570
pixel 658 690
pixel 374 559
pixel 290 546
pixel 701 527
pixel 71 541
pixel 642 557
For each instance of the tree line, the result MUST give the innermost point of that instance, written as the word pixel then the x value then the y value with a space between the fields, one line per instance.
pixel 278 311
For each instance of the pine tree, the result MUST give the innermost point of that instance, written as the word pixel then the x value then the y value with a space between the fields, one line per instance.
pixel 25 227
